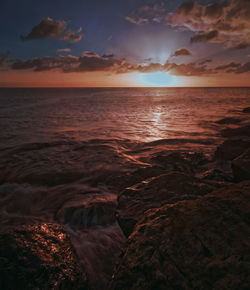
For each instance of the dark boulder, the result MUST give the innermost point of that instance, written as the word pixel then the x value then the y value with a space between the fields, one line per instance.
pixel 236 132
pixel 198 244
pixel 241 166
pixel 231 149
pixel 39 257
pixel 167 188
pixel 228 120
pixel 246 110
pixel 179 161
pixel 216 175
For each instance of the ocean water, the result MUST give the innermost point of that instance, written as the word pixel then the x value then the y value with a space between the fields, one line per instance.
pixel 63 150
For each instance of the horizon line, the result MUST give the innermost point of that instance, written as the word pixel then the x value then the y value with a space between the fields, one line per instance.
pixel 116 87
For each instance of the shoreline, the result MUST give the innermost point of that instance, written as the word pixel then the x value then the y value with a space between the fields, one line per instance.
pixel 178 181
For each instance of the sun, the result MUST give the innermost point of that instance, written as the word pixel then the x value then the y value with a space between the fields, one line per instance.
pixel 157 79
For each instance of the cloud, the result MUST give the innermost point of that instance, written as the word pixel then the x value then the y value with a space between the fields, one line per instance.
pixel 231 65
pixel 4 60
pixel 190 69
pixel 50 29
pixel 205 61
pixel 45 63
pixel 242 45
pixel 90 54
pixel 205 37
pixel 226 21
pixel 91 62
pixel 182 52
pixel 64 50
pixel 236 68
pixel 69 63
pixel 147 14
pixel 108 55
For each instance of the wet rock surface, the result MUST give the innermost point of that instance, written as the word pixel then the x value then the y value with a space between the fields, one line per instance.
pixel 198 244
pixel 246 110
pixel 167 188
pixel 229 120
pixel 39 257
pixel 231 149
pixel 241 166
pixel 236 132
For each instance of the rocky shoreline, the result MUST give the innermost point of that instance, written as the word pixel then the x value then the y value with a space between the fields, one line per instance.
pixel 186 218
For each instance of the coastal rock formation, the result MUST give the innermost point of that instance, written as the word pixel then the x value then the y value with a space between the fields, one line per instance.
pixel 231 149
pixel 241 166
pixel 98 213
pixel 198 244
pixel 216 175
pixel 246 110
pixel 167 188
pixel 39 257
pixel 229 120
pixel 160 163
pixel 236 132
pixel 179 161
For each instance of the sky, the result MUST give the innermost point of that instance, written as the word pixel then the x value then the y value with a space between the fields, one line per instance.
pixel 117 43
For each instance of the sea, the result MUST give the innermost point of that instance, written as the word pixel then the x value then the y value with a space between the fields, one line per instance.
pixel 62 150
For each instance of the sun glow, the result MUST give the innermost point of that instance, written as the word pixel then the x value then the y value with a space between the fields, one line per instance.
pixel 158 79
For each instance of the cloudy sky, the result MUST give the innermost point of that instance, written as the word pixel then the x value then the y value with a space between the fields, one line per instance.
pixel 124 43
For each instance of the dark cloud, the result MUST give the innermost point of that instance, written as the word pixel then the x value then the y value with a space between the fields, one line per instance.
pixel 48 28
pixel 45 63
pixel 228 66
pixel 190 69
pixel 205 61
pixel 146 14
pixel 236 68
pixel 244 68
pixel 182 52
pixel 242 45
pixel 108 55
pixel 205 37
pixel 69 63
pixel 91 62
pixel 73 36
pixel 3 59
pixel 226 21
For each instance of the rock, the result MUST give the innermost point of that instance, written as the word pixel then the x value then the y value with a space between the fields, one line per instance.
pixel 180 161
pixel 231 149
pixel 98 213
pixel 167 188
pixel 229 120
pixel 39 257
pixel 246 110
pixel 122 181
pixel 198 244
pixel 161 163
pixel 236 132
pixel 241 166
pixel 215 174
